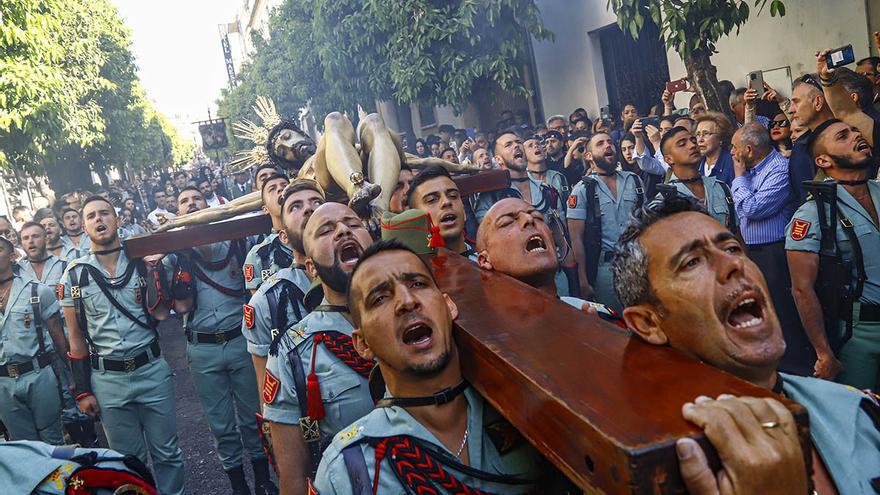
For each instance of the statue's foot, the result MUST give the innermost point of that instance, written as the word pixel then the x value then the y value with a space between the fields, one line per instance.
pixel 360 200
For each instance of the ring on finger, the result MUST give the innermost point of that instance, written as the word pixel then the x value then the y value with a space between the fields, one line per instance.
pixel 767 425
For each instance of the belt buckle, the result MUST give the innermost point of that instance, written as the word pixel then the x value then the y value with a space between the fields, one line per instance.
pixel 220 338
pixel 310 430
pixel 846 222
pixel 129 364
pixel 13 370
pixel 34 300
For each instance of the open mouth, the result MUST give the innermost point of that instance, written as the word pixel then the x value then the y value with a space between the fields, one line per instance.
pixel 536 244
pixel 192 209
pixel 349 252
pixel 862 146
pixel 747 312
pixel 448 218
pixel 417 333
pixel 100 228
pixel 518 154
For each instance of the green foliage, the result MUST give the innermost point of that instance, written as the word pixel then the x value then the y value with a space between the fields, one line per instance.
pixel 689 25
pixel 69 88
pixel 336 54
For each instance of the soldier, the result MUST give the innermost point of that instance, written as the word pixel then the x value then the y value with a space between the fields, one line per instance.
pixel 304 412
pixel 112 333
pixel 270 255
pixel 53 236
pixel 222 374
pixel 598 211
pixel 514 240
pixel 680 151
pixel 433 191
pixel 30 398
pixel 278 303
pixel 538 170
pixel 845 156
pixel 47 269
pixel 429 415
pixel 75 242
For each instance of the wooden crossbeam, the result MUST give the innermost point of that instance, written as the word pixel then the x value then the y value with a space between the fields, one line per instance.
pixel 604 407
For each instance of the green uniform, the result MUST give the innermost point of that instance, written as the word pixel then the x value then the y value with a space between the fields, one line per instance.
pixel 222 372
pixel 341 375
pixel 355 445
pixel 861 354
pixel 130 380
pixel 843 429
pixel 41 469
pixel 615 212
pixel 30 397
pixel 53 269
pixel 718 202
pixel 71 251
pixel 264 259
pixel 261 322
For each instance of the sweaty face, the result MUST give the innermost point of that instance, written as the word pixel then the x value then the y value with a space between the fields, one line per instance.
pixel 72 222
pixel 716 302
pixel 334 239
pixel 100 222
pixel 271 193
pixel 682 150
pixel 707 137
pixel 190 201
pixel 405 321
pixel 401 190
pixel 33 240
pixel 298 207
pixel 440 198
pixel 53 230
pixel 510 152
pixel 517 242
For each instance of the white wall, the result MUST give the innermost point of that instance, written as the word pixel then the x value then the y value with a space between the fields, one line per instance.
pixel 570 72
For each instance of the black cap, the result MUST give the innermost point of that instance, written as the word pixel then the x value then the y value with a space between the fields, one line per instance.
pixel 554 134
pixel 817 133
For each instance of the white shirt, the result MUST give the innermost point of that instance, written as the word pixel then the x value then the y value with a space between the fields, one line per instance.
pixel 216 200
pixel 154 220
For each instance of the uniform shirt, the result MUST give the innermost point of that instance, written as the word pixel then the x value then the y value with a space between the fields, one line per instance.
pixel 18 336
pixel 345 393
pixel 557 181
pixel 254 271
pixel 113 334
pixel 71 251
pixel 762 197
pixel 215 311
pixel 715 202
pixel 615 211
pixel 53 269
pixel 487 199
pixel 521 461
pixel 803 234
pixel 257 325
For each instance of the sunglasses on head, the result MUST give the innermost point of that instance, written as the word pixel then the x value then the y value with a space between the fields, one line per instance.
pixel 778 123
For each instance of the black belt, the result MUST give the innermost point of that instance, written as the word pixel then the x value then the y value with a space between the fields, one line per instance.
pixel 869 312
pixel 130 363
pixel 608 256
pixel 14 370
pixel 213 338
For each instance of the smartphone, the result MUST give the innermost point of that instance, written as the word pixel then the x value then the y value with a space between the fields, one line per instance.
pixel 605 112
pixel 654 121
pixel 470 133
pixel 840 57
pixel 677 85
pixel 756 79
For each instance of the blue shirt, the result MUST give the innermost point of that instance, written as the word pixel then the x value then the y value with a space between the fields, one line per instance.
pixel 723 168
pixel 801 167
pixel 762 197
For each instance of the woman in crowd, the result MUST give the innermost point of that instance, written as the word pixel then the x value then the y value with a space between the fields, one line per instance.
pixel 780 132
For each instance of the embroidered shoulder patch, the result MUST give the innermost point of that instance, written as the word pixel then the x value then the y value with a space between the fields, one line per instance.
pixel 270 388
pixel 799 229
pixel 248 272
pixel 572 201
pixel 59 291
pixel 248 316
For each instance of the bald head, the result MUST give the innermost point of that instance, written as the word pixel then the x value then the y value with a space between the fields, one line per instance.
pixel 326 217
pixel 513 239
pixel 504 206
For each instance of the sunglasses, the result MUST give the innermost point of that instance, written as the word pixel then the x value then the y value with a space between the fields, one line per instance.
pixel 778 123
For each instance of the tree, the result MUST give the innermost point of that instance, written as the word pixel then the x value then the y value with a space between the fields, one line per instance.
pixel 692 28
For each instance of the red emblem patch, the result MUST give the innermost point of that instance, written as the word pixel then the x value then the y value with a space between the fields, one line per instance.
pixel 572 201
pixel 311 487
pixel 270 388
pixel 248 272
pixel 137 295
pixel 59 291
pixel 799 229
pixel 248 316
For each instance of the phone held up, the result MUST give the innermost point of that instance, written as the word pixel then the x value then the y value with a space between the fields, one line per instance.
pixel 756 81
pixel 677 85
pixel 840 57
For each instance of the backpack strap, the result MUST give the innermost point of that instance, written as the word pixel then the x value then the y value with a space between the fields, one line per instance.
pixel 732 224
pixel 640 191
pixel 311 431
pixel 278 310
pixel 356 466
pixel 592 237
pixel 38 318
pixel 79 306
